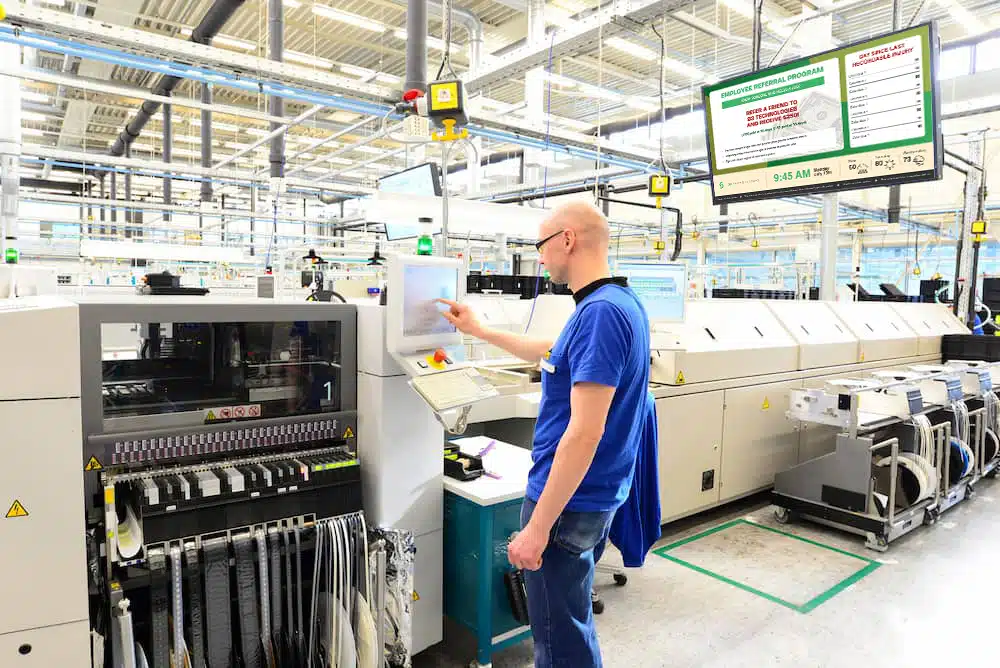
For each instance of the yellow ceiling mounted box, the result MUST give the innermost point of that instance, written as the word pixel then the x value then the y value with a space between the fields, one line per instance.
pixel 659 185
pixel 446 107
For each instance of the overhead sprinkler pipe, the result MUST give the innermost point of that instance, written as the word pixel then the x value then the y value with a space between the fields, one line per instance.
pixel 276 106
pixel 416 46
pixel 206 141
pixel 209 27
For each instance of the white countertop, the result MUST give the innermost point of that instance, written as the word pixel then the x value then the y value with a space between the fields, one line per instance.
pixel 510 462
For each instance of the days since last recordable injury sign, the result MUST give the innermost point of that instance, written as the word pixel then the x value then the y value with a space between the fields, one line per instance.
pixel 861 116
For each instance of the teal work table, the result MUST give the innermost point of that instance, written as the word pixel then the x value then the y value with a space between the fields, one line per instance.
pixel 479 518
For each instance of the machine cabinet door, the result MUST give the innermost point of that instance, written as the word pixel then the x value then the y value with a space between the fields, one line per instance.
pixel 690 436
pixel 758 439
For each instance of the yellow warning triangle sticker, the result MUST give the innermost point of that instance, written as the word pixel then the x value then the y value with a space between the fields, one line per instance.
pixel 16 510
pixel 862 356
pixel 416 596
pixel 93 465
pixel 766 405
pixel 348 433
pixel 210 416
pixel 680 377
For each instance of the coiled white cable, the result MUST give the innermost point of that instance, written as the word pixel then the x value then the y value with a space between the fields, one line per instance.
pixel 924 457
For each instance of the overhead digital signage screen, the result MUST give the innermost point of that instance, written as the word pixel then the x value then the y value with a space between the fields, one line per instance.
pixel 860 116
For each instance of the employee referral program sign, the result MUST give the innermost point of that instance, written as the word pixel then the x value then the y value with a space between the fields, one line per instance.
pixel 861 116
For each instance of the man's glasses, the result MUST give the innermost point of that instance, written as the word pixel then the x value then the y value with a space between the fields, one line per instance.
pixel 539 244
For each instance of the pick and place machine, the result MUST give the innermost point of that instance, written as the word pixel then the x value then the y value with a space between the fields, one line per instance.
pixel 213 447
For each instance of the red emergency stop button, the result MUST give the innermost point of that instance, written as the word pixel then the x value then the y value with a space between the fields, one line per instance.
pixel 440 356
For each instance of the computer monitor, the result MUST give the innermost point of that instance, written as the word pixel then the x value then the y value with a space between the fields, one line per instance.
pixel 414 322
pixel 423 179
pixel 660 288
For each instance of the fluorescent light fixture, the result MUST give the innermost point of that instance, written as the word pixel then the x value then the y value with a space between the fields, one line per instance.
pixel 234 43
pixel 31 132
pixel 356 71
pixel 962 16
pixel 367 149
pixel 257 132
pixel 307 59
pixel 217 125
pixel 291 4
pixel 560 80
pixel 31 96
pixel 432 42
pixel 185 152
pixel 367 75
pixel 187 139
pixel 52 3
pixel 225 40
pixel 641 104
pixel 32 116
pixel 348 18
pixel 682 68
pixel 562 18
pixel 741 7
pixel 631 49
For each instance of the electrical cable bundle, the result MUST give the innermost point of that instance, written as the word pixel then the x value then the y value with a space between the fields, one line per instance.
pixel 961 458
pixel 915 473
pixel 992 446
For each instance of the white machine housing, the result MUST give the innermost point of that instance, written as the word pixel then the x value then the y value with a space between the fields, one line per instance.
pixel 930 322
pixel 822 338
pixel 721 339
pixel 44 561
pixel 882 333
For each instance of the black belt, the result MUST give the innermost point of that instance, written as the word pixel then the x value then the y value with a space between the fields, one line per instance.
pixel 246 598
pixel 197 647
pixel 300 640
pixel 265 598
pixel 177 594
pixel 274 551
pixel 160 599
pixel 217 604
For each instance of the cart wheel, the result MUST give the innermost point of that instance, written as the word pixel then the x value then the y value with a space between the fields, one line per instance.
pixel 970 493
pixel 596 604
pixel 621 579
pixel 782 515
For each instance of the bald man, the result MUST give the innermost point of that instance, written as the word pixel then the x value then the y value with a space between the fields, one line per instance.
pixel 590 423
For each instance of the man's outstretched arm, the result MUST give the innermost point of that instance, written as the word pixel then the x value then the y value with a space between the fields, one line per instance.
pixel 526 347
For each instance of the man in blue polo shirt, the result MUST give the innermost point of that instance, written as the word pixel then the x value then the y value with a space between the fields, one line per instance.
pixel 590 423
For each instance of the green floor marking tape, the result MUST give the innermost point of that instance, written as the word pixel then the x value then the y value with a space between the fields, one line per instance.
pixel 868 566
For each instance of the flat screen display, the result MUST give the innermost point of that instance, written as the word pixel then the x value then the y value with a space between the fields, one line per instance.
pixel 421 286
pixel 861 116
pixel 660 288
pixel 423 179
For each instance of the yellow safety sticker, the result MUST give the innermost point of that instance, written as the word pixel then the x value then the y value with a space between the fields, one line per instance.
pixel 93 465
pixel 416 596
pixel 16 510
pixel 109 496
pixel 766 404
pixel 680 377
pixel 349 433
pixel 210 416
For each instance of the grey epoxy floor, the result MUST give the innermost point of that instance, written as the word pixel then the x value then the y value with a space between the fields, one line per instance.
pixel 933 602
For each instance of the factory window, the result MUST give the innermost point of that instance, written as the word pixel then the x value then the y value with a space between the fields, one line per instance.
pixel 988 55
pixel 955 62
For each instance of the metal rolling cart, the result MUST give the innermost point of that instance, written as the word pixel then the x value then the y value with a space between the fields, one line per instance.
pixel 855 487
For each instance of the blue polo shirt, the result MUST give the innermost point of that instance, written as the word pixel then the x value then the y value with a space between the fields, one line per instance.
pixel 605 341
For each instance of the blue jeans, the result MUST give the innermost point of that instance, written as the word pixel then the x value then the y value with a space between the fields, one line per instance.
pixel 562 621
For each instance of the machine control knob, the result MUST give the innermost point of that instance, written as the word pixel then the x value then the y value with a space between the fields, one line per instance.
pixel 440 356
